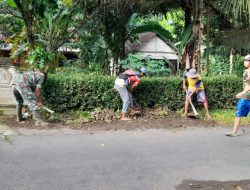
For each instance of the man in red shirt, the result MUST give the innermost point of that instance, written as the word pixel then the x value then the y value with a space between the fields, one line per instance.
pixel 128 78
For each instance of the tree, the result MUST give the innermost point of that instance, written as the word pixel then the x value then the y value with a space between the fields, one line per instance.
pixel 57 27
pixel 116 19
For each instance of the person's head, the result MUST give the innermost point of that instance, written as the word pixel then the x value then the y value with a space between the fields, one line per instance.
pixel 144 61
pixel 143 71
pixel 247 61
pixel 187 69
pixel 192 73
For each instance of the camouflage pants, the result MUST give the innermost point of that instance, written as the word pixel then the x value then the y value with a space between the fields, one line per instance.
pixel 25 94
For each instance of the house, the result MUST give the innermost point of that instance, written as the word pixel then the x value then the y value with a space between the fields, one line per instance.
pixel 154 46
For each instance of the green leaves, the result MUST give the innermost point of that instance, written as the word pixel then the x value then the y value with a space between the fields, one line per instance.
pixel 155 67
pixel 137 25
pixel 64 92
pixel 21 49
pixel 67 2
pixel 186 38
pixel 11 3
pixel 39 58
pixel 239 8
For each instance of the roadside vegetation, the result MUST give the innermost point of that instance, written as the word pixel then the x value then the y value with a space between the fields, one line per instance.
pixel 213 35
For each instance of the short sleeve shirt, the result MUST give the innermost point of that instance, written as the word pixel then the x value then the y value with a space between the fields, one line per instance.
pixel 134 79
pixel 31 79
pixel 193 82
pixel 246 83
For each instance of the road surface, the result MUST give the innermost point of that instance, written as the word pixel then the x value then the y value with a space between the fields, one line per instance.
pixel 152 159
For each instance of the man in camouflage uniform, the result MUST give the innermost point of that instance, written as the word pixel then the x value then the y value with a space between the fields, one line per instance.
pixel 243 104
pixel 27 87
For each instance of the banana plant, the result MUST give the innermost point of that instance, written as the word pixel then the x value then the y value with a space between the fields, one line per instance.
pixel 187 37
pixel 138 25
pixel 47 31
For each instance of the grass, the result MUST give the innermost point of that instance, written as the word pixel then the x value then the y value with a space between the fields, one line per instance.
pixel 221 116
pixel 79 117
pixel 226 116
pixel 1 112
pixel 70 117
pixel 4 137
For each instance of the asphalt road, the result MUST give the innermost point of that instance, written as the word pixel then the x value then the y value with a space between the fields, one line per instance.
pixel 154 159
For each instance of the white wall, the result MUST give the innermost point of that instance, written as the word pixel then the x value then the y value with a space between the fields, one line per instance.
pixel 157 48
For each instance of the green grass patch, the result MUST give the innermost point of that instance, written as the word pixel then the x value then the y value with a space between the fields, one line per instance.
pixel 3 136
pixel 82 114
pixel 1 112
pixel 226 116
pixel 76 117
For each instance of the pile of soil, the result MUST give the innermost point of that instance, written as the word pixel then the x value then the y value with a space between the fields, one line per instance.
pixel 138 122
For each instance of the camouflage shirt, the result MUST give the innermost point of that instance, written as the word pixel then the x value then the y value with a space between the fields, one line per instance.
pixel 30 79
pixel 246 83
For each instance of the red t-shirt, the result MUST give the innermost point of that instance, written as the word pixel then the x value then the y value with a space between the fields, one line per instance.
pixel 132 79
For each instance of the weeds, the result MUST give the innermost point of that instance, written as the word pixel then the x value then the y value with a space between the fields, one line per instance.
pixel 3 136
pixel 226 116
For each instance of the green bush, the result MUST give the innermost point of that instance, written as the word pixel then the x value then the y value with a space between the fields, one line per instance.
pixel 221 91
pixel 78 91
pixel 155 67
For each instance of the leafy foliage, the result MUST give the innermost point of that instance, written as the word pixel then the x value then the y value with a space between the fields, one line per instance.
pixel 48 26
pixel 219 65
pixel 155 67
pixel 39 58
pixel 94 51
pixel 173 22
pixel 10 25
pixel 226 116
pixel 79 91
pixel 139 25
pixel 238 65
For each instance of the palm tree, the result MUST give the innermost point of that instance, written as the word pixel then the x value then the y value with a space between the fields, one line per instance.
pixel 235 30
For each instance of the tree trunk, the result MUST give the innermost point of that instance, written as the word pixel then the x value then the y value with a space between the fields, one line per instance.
pixel 231 62
pixel 197 53
pixel 27 16
pixel 123 41
pixel 188 17
pixel 194 46
pixel 185 60
pixel 198 28
pixel 30 36
pixel 208 48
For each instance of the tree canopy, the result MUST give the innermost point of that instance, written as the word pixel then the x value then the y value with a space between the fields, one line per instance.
pixel 43 27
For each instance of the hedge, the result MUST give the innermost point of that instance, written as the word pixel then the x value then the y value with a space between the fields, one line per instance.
pixel 78 91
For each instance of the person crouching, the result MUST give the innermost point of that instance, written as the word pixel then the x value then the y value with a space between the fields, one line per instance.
pixel 27 87
pixel 123 81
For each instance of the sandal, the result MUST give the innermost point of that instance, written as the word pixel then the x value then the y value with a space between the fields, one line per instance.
pixel 231 135
pixel 185 115
pixel 125 119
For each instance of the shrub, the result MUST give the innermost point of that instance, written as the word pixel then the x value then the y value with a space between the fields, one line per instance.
pixel 155 67
pixel 78 91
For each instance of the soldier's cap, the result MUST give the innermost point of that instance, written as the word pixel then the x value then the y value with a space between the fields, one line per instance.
pixel 144 70
pixel 247 58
